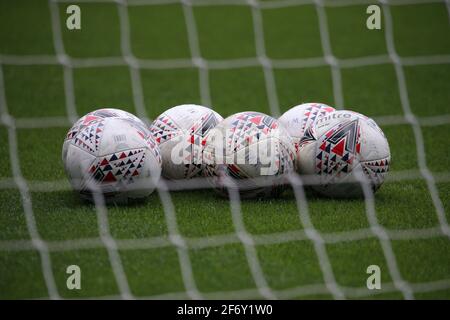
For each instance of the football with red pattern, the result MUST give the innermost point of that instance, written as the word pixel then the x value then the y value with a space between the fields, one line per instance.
pixel 115 157
pixel 344 151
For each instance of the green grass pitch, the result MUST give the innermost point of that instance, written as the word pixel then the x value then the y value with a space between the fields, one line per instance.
pixel 225 32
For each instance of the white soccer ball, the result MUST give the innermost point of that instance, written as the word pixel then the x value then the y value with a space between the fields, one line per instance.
pixel 95 115
pixel 299 119
pixel 251 150
pixel 346 149
pixel 180 132
pixel 113 156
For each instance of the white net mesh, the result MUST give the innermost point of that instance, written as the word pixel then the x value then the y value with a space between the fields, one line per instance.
pixel 241 235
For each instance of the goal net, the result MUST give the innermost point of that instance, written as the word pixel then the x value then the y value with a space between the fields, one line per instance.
pixel 250 241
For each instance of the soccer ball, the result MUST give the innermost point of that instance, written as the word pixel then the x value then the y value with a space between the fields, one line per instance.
pixel 180 132
pixel 113 156
pixel 343 143
pixel 299 119
pixel 95 115
pixel 251 150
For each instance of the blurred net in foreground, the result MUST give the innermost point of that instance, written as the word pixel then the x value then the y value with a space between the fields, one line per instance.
pixel 249 242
